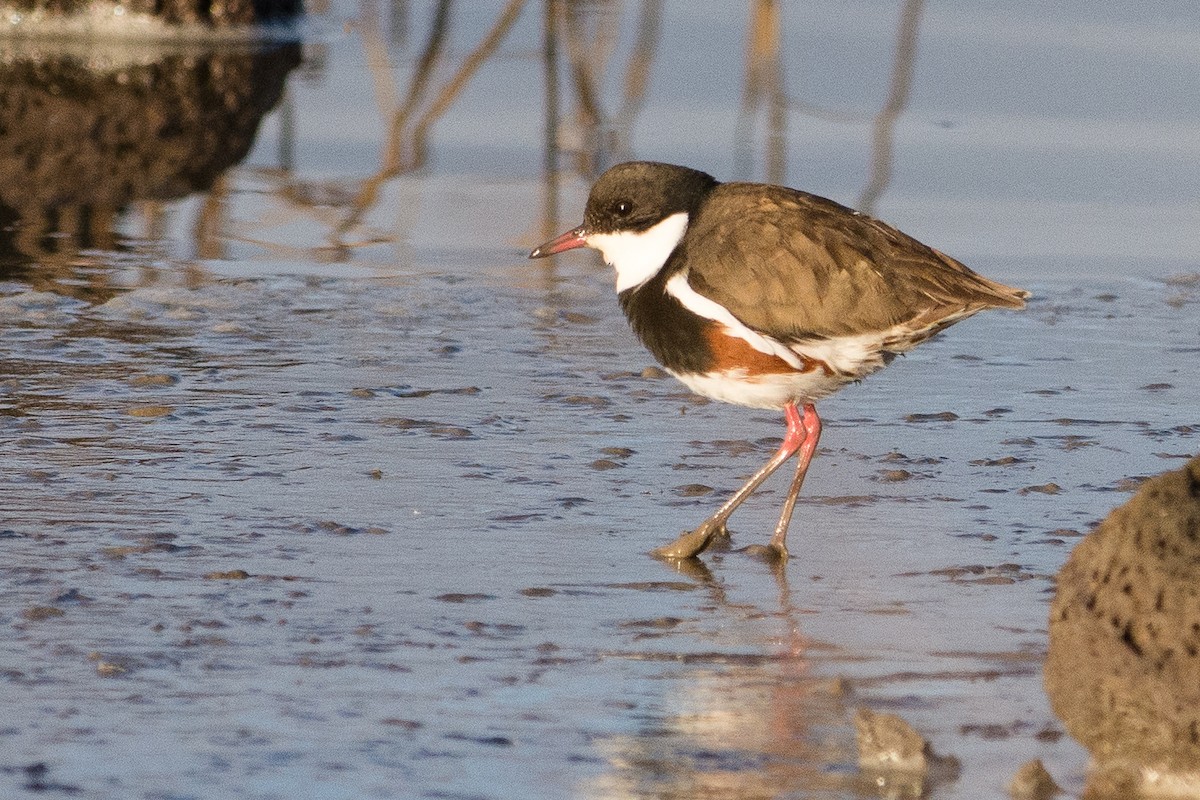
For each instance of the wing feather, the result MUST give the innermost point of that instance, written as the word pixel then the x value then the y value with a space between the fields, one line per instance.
pixel 828 271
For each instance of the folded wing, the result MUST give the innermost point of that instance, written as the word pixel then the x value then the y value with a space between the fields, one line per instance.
pixel 831 273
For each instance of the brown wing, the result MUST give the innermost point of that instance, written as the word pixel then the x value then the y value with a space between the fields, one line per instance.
pixel 797 266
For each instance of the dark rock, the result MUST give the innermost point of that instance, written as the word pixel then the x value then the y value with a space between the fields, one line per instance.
pixel 81 141
pixel 1123 669
pixel 212 13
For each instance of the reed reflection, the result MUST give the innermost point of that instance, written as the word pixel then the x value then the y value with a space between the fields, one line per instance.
pixel 406 148
pixel 764 89
pixel 593 140
pixel 146 132
pixel 883 126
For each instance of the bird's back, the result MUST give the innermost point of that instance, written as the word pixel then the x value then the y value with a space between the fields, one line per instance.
pixel 800 267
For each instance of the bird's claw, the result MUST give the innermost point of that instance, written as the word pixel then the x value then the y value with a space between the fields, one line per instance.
pixel 692 543
pixel 772 553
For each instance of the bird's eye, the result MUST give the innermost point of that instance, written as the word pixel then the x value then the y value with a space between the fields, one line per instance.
pixel 624 208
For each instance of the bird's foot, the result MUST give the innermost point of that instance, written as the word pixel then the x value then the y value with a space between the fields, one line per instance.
pixel 772 553
pixel 693 543
pixel 722 540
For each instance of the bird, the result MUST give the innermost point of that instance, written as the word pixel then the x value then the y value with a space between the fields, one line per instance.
pixel 769 297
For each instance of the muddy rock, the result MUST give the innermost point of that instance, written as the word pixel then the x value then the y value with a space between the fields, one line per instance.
pixel 892 753
pixel 1033 782
pixel 1123 669
pixel 885 741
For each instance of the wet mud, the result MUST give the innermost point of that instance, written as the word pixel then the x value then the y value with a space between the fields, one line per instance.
pixel 361 528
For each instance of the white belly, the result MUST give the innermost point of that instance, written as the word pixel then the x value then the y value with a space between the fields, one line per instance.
pixel 763 391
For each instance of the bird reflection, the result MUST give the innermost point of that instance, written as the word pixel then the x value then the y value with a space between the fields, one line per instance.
pixel 754 724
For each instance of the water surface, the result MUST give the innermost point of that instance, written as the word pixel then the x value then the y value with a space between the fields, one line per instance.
pixel 314 486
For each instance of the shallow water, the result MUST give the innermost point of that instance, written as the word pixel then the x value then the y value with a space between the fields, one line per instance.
pixel 317 491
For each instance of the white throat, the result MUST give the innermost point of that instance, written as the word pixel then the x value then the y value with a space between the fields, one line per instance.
pixel 637 257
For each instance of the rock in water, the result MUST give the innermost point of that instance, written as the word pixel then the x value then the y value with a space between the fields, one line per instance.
pixel 1123 670
pixel 1033 782
pixel 893 755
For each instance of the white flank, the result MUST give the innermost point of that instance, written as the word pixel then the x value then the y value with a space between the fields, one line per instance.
pixel 857 356
pixel 679 288
pixel 637 257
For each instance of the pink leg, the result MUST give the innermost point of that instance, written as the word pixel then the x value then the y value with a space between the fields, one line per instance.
pixel 694 542
pixel 808 447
